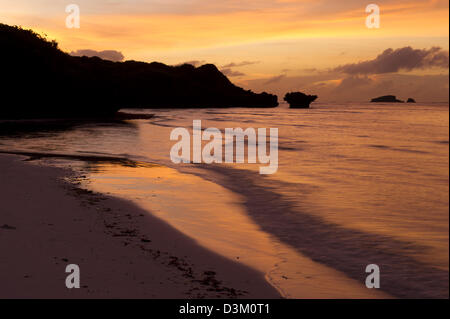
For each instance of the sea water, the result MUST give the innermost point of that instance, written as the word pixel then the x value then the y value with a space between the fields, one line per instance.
pixel 357 184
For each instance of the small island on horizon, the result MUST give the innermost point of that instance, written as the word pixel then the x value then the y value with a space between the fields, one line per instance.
pixel 386 99
pixel 391 99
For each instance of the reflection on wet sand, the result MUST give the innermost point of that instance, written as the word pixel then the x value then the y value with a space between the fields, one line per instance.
pixel 355 183
pixel 344 249
pixel 215 217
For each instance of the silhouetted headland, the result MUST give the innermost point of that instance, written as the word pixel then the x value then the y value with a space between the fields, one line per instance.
pixel 40 80
pixel 411 100
pixel 299 99
pixel 386 99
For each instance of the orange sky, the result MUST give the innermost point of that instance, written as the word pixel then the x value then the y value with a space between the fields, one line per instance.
pixel 278 39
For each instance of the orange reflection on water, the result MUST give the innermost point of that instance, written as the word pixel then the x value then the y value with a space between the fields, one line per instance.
pixel 215 218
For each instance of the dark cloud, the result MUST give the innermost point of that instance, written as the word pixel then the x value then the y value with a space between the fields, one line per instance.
pixel 275 79
pixel 231 73
pixel 238 64
pixel 111 55
pixel 405 58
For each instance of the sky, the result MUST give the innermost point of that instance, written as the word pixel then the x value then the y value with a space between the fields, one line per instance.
pixel 319 47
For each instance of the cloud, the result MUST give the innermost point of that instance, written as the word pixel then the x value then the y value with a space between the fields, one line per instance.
pixel 335 88
pixel 243 63
pixel 228 71
pixel 195 63
pixel 352 82
pixel 111 55
pixel 275 79
pixel 231 73
pixel 391 61
pixel 311 70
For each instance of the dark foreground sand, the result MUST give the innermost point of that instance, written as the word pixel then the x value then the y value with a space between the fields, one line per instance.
pixel 122 250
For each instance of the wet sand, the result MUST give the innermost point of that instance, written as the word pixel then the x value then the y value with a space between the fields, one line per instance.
pixel 331 246
pixel 123 251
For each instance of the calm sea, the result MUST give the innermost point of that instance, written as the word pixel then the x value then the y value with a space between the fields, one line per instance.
pixel 357 184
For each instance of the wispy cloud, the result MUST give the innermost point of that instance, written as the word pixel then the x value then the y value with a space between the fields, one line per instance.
pixel 231 73
pixel 195 63
pixel 275 79
pixel 111 55
pixel 352 82
pixel 239 64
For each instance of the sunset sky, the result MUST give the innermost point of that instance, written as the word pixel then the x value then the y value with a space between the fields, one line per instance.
pixel 267 45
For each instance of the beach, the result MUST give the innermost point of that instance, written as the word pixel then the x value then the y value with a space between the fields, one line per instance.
pixel 47 223
pixel 282 151
pixel 348 193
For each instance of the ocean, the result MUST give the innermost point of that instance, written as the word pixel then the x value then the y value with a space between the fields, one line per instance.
pixel 357 184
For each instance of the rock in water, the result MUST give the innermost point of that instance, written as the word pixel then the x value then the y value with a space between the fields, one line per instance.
pixel 411 100
pixel 386 99
pixel 299 99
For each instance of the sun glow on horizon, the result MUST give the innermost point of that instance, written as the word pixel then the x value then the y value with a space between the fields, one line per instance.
pixel 286 37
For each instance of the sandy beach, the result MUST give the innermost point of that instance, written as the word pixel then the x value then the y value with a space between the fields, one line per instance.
pixel 280 151
pixel 122 250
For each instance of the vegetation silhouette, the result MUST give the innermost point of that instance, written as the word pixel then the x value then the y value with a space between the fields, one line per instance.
pixel 41 81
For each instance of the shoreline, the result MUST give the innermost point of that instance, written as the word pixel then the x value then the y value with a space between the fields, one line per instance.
pixel 403 275
pixel 123 251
